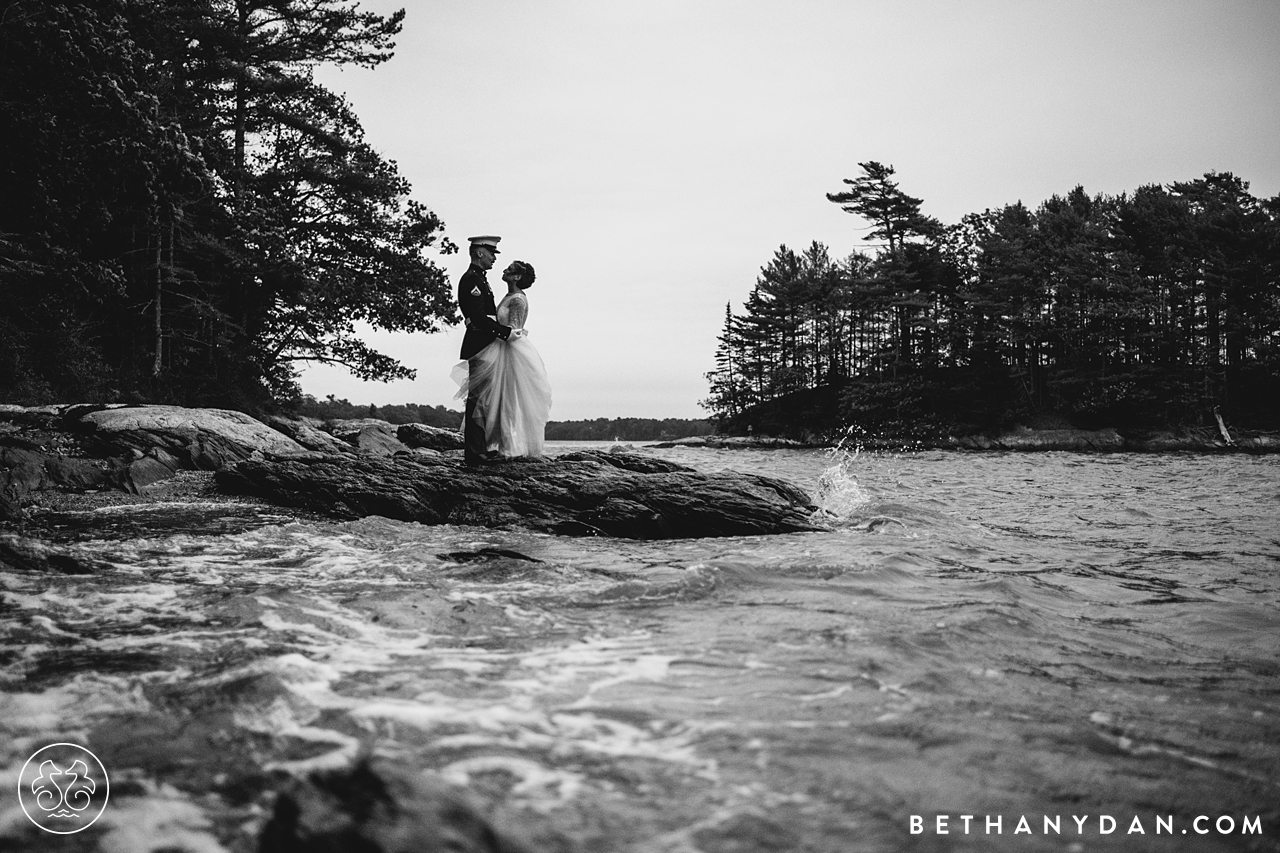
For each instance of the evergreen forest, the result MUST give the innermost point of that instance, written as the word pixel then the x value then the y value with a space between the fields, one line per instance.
pixel 627 429
pixel 188 215
pixel 1147 310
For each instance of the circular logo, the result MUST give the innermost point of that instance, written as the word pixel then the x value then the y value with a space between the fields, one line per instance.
pixel 63 788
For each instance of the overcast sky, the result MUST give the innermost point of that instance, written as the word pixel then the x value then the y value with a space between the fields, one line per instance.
pixel 648 157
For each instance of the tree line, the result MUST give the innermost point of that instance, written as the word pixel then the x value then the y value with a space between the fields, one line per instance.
pixel 188 215
pixel 332 409
pixel 597 429
pixel 1144 308
pixel 627 429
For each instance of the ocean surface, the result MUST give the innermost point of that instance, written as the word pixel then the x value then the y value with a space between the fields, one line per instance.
pixel 1011 637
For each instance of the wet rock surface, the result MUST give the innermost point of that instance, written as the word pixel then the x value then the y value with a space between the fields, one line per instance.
pixel 579 494
pixel 429 437
pixel 309 435
pixel 369 467
pixel 82 447
pixel 378 808
pixel 369 437
pixel 201 438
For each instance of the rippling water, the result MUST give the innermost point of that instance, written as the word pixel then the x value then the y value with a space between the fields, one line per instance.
pixel 996 635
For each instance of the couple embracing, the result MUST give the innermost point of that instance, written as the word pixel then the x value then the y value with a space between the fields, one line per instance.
pixel 503 378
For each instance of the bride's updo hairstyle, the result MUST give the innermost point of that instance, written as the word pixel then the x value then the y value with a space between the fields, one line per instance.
pixel 526 274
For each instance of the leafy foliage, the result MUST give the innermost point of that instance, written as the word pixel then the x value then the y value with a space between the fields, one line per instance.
pixel 189 215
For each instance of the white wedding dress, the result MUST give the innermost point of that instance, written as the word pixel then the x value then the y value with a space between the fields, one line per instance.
pixel 513 394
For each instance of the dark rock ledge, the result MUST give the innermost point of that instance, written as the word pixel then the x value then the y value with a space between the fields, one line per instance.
pixel 379 808
pixel 369 467
pixel 578 494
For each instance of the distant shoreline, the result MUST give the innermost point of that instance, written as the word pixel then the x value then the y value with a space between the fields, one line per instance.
pixel 1019 439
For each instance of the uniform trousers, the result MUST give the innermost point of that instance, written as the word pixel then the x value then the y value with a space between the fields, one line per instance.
pixel 475 443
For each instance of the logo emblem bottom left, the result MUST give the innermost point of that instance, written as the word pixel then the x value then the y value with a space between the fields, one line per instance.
pixel 63 788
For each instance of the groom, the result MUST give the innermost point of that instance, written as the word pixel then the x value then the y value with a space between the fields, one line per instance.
pixel 476 301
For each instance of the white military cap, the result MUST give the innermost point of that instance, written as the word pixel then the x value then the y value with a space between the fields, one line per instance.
pixel 488 242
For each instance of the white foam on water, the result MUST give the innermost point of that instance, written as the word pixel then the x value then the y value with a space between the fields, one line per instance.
pixel 97 606
pixel 601 735
pixel 21 661
pixel 829 694
pixel 473 662
pixel 47 624
pixel 650 667
pixel 522 710
pixel 838 495
pixel 194 640
pixel 163 820
pixel 427 715
pixel 271 620
pixel 596 718
pixel 48 710
pixel 312 555
pixel 521 703
pixel 297 670
pixel 539 787
pixel 151 506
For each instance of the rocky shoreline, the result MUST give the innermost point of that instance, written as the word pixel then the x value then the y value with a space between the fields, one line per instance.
pixel 96 455
pixel 1020 439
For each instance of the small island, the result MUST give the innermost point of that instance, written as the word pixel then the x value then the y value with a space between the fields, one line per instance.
pixel 1145 320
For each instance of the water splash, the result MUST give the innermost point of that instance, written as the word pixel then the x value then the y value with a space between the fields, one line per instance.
pixel 901 438
pixel 839 496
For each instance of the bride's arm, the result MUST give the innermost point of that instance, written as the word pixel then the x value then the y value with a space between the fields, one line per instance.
pixel 518 312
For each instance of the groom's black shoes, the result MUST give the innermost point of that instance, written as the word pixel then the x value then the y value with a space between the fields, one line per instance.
pixel 490 458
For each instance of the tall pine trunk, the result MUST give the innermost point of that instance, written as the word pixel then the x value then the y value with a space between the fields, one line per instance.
pixel 158 364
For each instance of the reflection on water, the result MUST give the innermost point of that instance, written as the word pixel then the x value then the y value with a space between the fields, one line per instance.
pixel 982 634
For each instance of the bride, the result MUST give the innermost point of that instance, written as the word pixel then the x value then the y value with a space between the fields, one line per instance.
pixel 513 394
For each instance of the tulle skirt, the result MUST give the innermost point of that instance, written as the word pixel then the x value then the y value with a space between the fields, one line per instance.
pixel 513 396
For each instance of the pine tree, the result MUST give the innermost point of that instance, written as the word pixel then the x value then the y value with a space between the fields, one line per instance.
pixel 188 214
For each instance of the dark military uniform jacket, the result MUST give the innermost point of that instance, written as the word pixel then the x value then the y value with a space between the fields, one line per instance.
pixel 476 301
